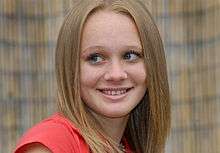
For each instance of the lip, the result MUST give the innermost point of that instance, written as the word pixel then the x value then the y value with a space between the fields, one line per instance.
pixel 115 97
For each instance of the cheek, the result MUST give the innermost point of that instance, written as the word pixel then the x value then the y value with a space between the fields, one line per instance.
pixel 138 73
pixel 89 75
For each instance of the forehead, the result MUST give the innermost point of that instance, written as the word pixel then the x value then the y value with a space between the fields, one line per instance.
pixel 107 27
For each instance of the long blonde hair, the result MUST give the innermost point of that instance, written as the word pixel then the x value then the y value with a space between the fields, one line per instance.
pixel 149 122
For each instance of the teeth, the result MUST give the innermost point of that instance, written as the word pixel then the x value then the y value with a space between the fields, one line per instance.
pixel 113 92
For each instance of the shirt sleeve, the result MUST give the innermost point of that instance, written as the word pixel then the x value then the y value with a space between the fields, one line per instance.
pixel 55 136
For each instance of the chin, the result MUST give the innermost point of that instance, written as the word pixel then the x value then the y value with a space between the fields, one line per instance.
pixel 115 114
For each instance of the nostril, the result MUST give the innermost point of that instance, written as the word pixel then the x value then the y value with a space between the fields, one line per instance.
pixel 115 76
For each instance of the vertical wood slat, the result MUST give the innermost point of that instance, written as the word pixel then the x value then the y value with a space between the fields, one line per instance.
pixel 191 34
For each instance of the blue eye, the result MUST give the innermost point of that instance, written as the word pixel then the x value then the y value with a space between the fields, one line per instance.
pixel 132 56
pixel 95 58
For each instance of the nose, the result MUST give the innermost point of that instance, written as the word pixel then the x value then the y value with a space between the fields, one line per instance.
pixel 115 72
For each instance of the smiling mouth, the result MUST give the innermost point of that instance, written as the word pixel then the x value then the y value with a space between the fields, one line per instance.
pixel 114 91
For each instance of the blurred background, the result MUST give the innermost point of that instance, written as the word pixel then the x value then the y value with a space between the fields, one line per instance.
pixel 191 33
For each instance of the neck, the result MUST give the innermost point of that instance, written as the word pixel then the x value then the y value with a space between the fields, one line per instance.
pixel 114 127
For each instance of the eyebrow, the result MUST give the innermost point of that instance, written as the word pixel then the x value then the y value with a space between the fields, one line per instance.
pixel 102 48
pixel 134 47
pixel 91 49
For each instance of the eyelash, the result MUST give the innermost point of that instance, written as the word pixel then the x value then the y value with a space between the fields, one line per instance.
pixel 93 55
pixel 134 52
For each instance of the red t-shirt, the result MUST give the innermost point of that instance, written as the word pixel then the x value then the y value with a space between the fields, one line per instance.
pixel 59 135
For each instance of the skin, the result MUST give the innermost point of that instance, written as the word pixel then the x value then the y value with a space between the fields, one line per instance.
pixel 35 148
pixel 112 36
pixel 111 62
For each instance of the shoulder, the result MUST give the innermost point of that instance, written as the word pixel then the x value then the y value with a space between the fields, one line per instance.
pixel 56 133
pixel 34 148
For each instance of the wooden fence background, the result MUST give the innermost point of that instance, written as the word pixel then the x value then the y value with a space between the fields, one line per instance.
pixel 191 34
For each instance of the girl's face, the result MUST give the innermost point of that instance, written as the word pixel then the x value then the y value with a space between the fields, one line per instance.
pixel 113 76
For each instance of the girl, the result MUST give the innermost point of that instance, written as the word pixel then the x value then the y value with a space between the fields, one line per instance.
pixel 113 93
